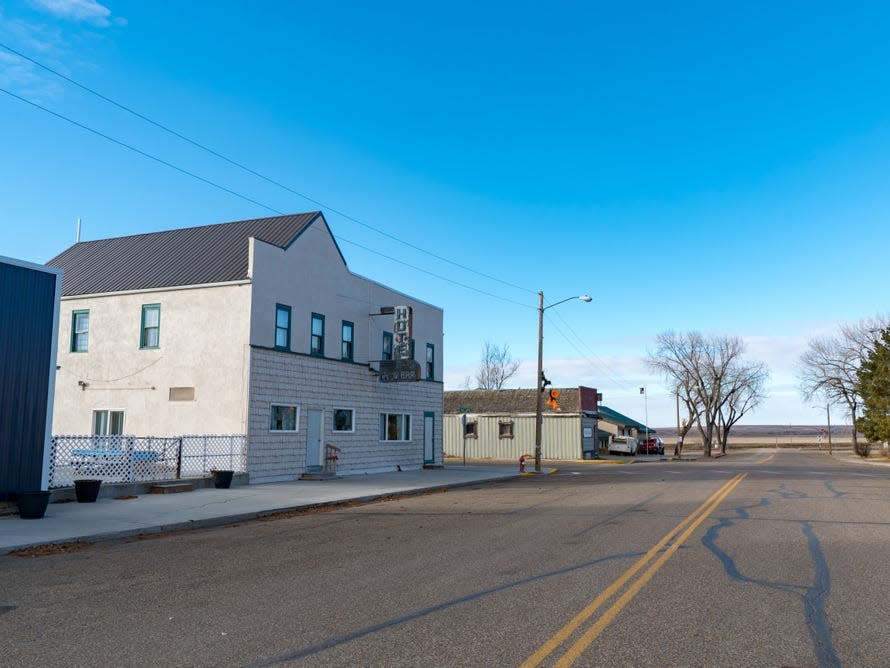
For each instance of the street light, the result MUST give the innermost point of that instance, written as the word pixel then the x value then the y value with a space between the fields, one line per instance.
pixel 539 404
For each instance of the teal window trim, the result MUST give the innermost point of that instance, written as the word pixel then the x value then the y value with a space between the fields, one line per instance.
pixel 80 337
pixel 386 353
pixel 430 361
pixel 316 338
pixel 145 342
pixel 347 338
pixel 284 330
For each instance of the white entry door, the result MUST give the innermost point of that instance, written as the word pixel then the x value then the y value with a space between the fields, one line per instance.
pixel 313 439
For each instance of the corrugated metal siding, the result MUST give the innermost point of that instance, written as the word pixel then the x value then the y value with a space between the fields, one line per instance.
pixel 560 437
pixel 27 316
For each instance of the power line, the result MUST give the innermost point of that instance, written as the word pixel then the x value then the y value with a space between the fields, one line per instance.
pixel 246 198
pixel 258 174
pixel 603 367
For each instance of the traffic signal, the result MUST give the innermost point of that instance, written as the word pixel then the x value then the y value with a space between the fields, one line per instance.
pixel 553 400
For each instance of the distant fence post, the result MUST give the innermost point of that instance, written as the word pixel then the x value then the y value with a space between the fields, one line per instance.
pixel 179 459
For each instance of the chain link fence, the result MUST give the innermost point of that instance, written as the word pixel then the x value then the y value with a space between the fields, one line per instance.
pixel 124 459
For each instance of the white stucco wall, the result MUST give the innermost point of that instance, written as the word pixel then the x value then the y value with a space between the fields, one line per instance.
pixel 203 344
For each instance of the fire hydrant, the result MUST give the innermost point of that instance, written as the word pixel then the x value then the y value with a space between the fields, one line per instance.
pixel 522 464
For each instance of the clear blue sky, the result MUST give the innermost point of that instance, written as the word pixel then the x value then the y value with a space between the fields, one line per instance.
pixel 692 166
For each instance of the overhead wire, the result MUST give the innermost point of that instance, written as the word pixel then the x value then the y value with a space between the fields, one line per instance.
pixel 258 174
pixel 603 368
pixel 293 191
pixel 246 198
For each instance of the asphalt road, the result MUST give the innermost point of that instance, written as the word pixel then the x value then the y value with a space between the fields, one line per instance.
pixel 754 559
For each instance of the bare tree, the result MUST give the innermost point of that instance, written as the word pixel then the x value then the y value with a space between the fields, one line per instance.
pixel 496 368
pixel 706 372
pixel 828 368
pixel 744 392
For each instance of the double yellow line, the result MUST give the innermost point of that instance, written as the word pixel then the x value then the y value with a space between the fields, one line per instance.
pixel 682 532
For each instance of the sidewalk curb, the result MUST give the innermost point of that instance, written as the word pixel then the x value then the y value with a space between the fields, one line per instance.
pixel 228 520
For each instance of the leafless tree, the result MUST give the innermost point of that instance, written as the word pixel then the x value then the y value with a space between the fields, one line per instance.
pixel 708 373
pixel 827 368
pixel 496 368
pixel 744 392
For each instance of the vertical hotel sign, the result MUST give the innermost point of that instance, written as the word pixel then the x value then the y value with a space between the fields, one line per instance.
pixel 402 330
pixel 402 367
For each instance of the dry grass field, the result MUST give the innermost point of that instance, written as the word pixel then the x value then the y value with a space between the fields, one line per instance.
pixel 776 436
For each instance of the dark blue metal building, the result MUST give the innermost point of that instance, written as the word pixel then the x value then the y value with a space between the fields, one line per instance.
pixel 29 329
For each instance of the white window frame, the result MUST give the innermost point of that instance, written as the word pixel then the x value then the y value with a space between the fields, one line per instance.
pixel 404 420
pixel 351 429
pixel 273 406
pixel 108 414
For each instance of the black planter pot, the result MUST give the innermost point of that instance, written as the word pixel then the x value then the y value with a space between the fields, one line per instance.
pixel 222 479
pixel 32 505
pixel 87 490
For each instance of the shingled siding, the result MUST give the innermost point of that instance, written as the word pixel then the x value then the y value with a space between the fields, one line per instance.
pixel 560 437
pixel 326 384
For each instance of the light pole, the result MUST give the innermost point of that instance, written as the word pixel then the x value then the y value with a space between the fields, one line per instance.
pixel 539 404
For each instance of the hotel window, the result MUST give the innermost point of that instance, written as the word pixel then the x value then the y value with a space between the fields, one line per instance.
pixel 284 418
pixel 317 343
pixel 108 423
pixel 387 346
pixel 346 347
pixel 282 327
pixel 343 419
pixel 80 331
pixel 430 361
pixel 150 332
pixel 395 427
pixel 505 429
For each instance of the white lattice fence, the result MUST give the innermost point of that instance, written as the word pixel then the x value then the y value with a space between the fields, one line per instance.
pixel 201 454
pixel 143 458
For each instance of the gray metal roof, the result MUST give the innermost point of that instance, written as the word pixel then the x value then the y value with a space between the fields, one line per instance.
pixel 188 256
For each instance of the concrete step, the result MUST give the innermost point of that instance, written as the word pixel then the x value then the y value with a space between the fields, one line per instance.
pixel 171 488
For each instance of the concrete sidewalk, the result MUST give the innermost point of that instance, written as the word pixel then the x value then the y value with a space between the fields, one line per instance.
pixel 111 518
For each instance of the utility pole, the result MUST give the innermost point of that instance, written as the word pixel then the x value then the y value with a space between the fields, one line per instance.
pixel 539 398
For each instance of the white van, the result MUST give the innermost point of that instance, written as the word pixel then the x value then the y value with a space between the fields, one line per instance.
pixel 623 445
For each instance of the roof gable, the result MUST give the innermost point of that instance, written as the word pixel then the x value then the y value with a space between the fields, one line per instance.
pixel 189 256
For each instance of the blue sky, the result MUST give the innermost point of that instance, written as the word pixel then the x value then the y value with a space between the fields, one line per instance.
pixel 692 166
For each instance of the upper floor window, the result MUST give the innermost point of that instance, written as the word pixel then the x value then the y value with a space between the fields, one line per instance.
pixel 316 346
pixel 430 361
pixel 150 334
pixel 347 348
pixel 282 327
pixel 80 331
pixel 387 346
